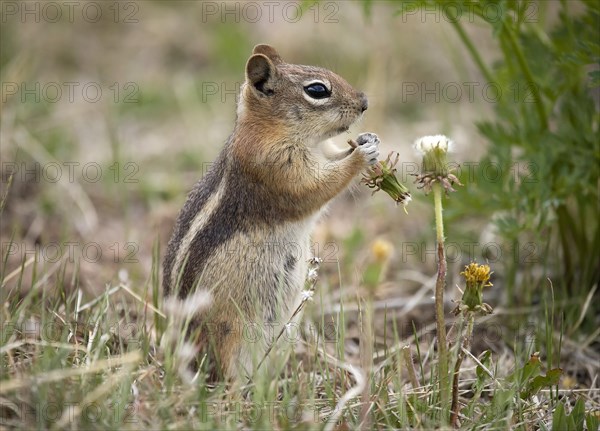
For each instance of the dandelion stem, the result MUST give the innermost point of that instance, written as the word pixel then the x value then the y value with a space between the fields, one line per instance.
pixel 439 222
pixel 439 300
pixel 465 344
pixel 367 362
pixel 410 367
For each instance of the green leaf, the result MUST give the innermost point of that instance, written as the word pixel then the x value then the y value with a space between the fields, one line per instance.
pixel 539 382
pixel 531 368
pixel 485 359
pixel 559 419
pixel 578 414
pixel 571 424
pixel 594 78
pixel 592 421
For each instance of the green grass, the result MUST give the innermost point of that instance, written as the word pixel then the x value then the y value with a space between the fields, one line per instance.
pixel 73 362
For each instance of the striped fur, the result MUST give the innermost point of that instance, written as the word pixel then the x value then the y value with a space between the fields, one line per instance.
pixel 244 231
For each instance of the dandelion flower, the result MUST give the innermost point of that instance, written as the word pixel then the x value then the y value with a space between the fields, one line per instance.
pixel 382 250
pixel 435 167
pixel 429 143
pixel 382 176
pixel 476 277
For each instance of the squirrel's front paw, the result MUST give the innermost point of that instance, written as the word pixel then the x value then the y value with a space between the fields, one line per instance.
pixel 368 145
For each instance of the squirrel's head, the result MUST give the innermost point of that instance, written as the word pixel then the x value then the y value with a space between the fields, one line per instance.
pixel 310 103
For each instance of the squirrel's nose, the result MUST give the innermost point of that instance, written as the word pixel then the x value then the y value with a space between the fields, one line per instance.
pixel 364 103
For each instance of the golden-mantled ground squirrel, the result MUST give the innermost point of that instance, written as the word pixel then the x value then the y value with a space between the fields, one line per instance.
pixel 244 231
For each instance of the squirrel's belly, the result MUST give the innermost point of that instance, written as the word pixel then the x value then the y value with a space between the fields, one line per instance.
pixel 256 279
pixel 260 272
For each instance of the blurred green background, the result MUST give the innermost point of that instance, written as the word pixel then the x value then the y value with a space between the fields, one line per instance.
pixel 134 99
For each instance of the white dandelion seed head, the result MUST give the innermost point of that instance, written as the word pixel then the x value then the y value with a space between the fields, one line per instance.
pixel 307 295
pixel 123 275
pixel 312 274
pixel 189 306
pixel 427 143
pixel 187 352
pixel 185 355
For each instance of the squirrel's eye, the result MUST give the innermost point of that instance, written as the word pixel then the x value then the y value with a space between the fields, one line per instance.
pixel 317 91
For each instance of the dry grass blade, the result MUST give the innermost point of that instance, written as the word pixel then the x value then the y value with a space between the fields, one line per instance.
pixel 17 271
pixel 146 303
pixel 8 347
pixel 353 392
pixel 55 375
pixel 78 196
pixel 74 411
pixel 408 362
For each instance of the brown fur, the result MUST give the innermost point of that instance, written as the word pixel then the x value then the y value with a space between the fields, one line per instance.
pixel 244 231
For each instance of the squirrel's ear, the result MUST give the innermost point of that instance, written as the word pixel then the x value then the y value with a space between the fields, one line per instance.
pixel 268 51
pixel 261 73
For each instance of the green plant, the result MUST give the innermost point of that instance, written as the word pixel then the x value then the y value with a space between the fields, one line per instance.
pixel 544 143
pixel 574 421
pixel 436 176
